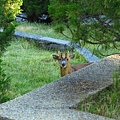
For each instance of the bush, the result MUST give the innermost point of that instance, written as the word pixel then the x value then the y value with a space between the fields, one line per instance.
pixel 8 11
pixel 4 85
pixel 34 8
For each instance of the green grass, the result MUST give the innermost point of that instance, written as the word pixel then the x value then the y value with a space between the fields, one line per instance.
pixel 39 29
pixel 106 102
pixel 30 67
pixel 48 30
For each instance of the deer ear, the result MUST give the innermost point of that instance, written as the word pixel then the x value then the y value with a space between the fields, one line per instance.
pixel 72 56
pixel 55 57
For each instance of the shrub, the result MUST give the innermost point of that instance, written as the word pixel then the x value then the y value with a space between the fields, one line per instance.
pixel 4 85
pixel 34 8
pixel 8 11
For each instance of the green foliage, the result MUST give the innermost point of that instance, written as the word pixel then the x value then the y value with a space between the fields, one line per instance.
pixel 34 8
pixel 59 29
pixel 89 21
pixel 8 10
pixel 4 85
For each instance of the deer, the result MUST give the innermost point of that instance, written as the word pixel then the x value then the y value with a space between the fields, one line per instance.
pixel 64 63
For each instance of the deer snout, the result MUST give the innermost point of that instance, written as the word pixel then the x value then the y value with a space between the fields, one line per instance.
pixel 63 64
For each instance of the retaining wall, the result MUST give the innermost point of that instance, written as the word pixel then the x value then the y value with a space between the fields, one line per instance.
pixel 57 44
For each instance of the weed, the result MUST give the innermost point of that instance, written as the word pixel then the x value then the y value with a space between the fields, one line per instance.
pixel 105 102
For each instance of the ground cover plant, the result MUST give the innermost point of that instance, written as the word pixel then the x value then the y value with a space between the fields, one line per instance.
pixel 30 67
pixel 39 29
pixel 106 102
pixel 49 31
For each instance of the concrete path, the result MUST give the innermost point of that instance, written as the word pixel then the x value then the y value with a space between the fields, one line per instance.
pixel 56 100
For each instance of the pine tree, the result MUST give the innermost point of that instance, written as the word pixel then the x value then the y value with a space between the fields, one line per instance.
pixel 93 22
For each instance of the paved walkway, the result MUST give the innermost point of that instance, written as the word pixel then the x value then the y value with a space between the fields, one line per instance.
pixel 56 100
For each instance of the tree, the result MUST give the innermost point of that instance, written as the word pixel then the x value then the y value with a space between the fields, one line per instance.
pixel 93 22
pixel 34 8
pixel 8 11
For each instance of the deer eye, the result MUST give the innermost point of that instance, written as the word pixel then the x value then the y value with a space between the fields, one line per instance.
pixel 67 59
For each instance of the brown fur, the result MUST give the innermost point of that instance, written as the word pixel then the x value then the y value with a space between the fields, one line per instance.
pixel 67 68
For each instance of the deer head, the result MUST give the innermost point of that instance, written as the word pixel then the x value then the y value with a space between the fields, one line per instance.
pixel 64 62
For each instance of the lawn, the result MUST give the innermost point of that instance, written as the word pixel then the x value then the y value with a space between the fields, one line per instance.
pixel 39 29
pixel 30 67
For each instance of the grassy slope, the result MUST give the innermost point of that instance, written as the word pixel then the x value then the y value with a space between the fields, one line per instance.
pixel 31 67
